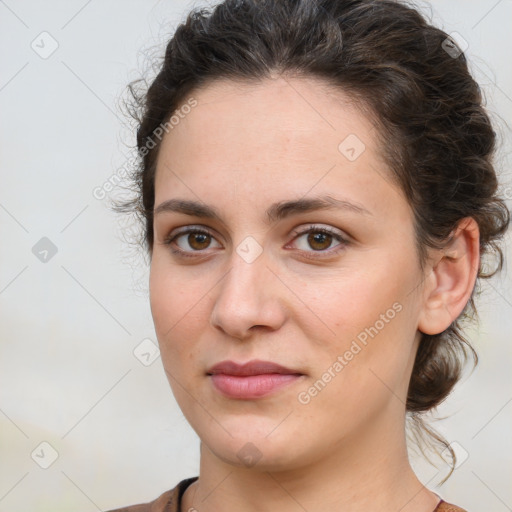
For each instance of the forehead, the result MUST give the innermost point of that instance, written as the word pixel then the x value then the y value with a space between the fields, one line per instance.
pixel 296 121
pixel 283 104
pixel 283 136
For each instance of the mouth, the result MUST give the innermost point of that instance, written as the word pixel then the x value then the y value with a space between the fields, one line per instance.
pixel 252 380
pixel 254 367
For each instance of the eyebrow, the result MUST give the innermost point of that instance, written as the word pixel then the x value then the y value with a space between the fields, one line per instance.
pixel 275 212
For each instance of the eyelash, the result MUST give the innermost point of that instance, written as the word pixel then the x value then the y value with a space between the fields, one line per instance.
pixel 311 229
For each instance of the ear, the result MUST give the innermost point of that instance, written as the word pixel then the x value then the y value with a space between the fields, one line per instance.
pixel 449 287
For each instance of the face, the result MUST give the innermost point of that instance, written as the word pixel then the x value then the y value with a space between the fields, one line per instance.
pixel 329 292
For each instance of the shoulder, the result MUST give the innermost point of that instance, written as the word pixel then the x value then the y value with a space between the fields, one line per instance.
pixel 448 507
pixel 169 501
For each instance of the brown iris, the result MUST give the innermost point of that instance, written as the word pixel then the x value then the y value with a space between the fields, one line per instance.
pixel 319 238
pixel 198 240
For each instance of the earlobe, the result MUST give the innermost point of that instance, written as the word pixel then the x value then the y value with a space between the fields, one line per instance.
pixel 454 274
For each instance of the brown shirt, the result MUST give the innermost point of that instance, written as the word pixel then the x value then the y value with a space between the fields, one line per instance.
pixel 170 501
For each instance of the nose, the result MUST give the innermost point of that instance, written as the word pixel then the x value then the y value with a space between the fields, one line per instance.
pixel 249 298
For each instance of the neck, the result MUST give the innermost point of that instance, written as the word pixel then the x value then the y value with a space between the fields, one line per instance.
pixel 370 471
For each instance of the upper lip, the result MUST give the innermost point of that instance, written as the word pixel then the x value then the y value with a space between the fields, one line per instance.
pixel 254 367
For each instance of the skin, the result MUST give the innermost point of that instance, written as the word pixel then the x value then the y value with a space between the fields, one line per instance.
pixel 242 148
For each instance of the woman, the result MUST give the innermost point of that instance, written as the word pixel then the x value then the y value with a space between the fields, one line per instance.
pixel 317 190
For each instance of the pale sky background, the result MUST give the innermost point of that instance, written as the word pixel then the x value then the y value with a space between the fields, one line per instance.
pixel 70 326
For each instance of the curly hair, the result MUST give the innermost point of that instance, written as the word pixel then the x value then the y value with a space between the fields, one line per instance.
pixel 407 75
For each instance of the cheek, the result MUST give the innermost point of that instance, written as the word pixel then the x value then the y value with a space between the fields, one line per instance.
pixel 178 307
pixel 371 319
pixel 351 303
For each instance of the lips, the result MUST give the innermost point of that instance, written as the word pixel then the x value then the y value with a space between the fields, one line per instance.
pixel 253 380
pixel 254 367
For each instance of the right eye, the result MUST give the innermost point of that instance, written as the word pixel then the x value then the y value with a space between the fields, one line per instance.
pixel 197 240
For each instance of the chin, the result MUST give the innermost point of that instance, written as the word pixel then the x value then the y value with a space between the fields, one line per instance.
pixel 256 451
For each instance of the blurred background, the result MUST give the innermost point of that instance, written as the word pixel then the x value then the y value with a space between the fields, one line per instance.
pixel 87 418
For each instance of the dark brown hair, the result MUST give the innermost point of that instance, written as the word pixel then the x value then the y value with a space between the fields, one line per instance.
pixel 408 75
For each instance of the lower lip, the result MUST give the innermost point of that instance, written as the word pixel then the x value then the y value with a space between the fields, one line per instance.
pixel 253 386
